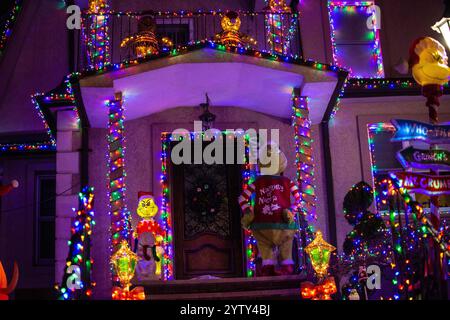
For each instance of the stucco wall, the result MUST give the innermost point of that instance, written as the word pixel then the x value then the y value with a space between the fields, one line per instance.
pixel 143 166
pixel 17 217
pixel 35 61
pixel 349 140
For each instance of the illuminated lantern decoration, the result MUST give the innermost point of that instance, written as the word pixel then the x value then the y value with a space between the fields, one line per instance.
pixel 319 252
pixel 428 61
pixel 230 36
pixel 7 188
pixel 124 262
pixel 5 288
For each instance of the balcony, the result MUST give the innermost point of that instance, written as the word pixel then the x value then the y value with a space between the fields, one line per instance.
pixel 107 38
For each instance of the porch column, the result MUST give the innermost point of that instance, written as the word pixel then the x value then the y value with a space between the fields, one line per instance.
pixel 120 216
pixel 304 159
pixel 67 182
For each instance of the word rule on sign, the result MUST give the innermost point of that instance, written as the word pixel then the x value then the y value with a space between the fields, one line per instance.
pixel 423 183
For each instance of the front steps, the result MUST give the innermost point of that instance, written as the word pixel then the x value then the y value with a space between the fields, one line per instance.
pixel 269 288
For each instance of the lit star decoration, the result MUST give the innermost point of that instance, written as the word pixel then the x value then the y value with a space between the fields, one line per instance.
pixel 9 23
pixel 120 228
pixel 76 286
pixel 350 8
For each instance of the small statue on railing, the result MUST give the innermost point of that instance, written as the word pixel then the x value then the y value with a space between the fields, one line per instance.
pixel 230 36
pixel 145 41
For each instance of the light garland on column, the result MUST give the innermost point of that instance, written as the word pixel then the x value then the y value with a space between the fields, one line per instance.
pixel 76 283
pixel 248 177
pixel 97 41
pixel 351 7
pixel 167 261
pixel 280 27
pixel 303 155
pixel 120 228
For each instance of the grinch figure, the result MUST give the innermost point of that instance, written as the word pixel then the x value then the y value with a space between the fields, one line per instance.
pixel 271 220
pixel 149 239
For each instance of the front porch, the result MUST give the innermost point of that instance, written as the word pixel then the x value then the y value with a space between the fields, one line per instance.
pixel 135 102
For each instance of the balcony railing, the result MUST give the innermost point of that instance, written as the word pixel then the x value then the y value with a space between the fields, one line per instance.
pixel 276 32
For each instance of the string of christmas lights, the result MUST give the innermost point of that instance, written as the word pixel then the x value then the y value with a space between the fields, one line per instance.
pixel 280 27
pixel 167 260
pixel 9 23
pixel 77 283
pixel 97 35
pixel 303 155
pixel 363 7
pixel 121 225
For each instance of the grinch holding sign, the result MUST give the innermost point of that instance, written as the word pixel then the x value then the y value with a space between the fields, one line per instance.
pixel 149 239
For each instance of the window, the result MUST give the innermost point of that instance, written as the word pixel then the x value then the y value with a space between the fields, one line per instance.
pixel 355 37
pixel 179 33
pixel 384 160
pixel 45 209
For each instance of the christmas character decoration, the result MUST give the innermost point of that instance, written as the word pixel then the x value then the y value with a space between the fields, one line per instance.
pixel 429 63
pixel 8 188
pixel 271 219
pixel 145 41
pixel 7 288
pixel 230 36
pixel 124 261
pixel 149 239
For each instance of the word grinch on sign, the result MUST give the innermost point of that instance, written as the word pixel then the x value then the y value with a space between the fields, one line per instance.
pixel 424 159
pixel 426 184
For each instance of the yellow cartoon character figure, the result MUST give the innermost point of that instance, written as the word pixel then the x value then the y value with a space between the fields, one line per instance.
pixel 429 64
pixel 149 239
pixel 271 220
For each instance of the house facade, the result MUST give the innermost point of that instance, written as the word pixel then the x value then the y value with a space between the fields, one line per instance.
pixel 97 106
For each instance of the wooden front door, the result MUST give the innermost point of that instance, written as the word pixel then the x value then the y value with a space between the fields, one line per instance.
pixel 207 231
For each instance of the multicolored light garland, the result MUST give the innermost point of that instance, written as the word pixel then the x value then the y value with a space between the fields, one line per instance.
pixel 121 227
pixel 97 41
pixel 167 261
pixel 303 155
pixel 351 8
pixel 76 283
pixel 248 176
pixel 279 26
pixel 7 28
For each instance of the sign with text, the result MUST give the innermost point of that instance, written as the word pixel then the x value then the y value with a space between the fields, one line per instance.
pixel 415 130
pixel 424 159
pixel 422 183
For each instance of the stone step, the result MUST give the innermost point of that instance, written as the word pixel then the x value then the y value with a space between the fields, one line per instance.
pixel 281 294
pixel 226 288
